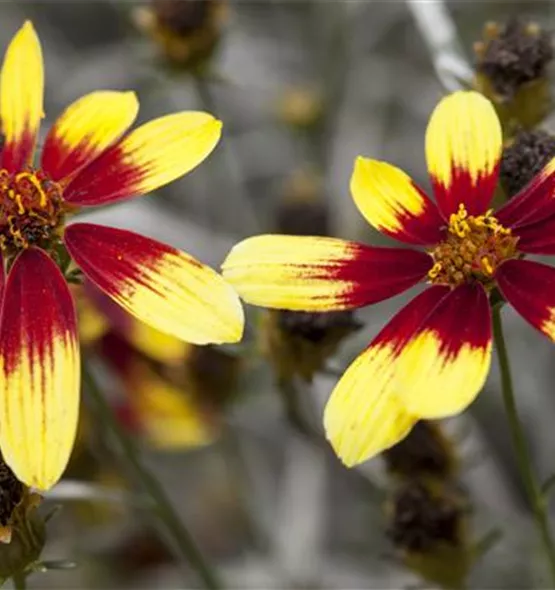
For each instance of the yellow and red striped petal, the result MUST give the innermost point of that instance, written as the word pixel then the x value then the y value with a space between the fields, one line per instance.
pixel 161 286
pixel 39 366
pixel 21 97
pixel 530 288
pixel 320 274
pixel 365 415
pixel 534 203
pixel 463 150
pixel 85 130
pixel 153 155
pixel 445 364
pixel 394 204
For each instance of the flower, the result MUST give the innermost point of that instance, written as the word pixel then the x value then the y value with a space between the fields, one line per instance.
pixel 87 159
pixel 433 357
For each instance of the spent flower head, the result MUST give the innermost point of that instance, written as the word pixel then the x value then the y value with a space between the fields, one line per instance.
pixel 511 70
pixel 186 33
pixel 432 359
pixel 89 158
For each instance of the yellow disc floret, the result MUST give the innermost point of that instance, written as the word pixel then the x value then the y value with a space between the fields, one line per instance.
pixel 473 249
pixel 31 210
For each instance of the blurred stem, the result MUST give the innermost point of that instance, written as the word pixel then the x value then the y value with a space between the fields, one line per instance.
pixel 233 179
pixel 19 581
pixel 536 498
pixel 238 468
pixel 160 503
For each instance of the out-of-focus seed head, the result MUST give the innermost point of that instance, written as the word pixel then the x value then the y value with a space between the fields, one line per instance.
pixel 186 33
pixel 523 158
pixel 300 343
pixel 427 526
pixel 426 451
pixel 511 70
pixel 302 209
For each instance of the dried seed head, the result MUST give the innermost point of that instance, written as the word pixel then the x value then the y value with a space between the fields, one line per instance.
pixel 426 451
pixel 185 32
pixel 523 158
pixel 513 55
pixel 302 209
pixel 300 343
pixel 424 516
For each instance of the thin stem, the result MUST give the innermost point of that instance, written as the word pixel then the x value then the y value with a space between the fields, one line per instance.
pixel 160 503
pixel 536 498
pixel 19 581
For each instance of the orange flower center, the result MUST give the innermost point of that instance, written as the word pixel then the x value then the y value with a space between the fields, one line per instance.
pixel 31 210
pixel 475 246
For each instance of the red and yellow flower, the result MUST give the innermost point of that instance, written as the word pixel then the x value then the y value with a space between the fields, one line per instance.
pixel 88 158
pixel 433 357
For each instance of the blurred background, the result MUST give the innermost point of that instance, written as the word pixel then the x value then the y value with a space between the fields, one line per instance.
pixel 233 435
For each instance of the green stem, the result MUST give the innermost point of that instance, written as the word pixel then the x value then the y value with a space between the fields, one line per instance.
pixel 536 498
pixel 19 581
pixel 161 505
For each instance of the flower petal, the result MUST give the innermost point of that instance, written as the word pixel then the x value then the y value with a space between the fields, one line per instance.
pixel 21 97
pixel 365 415
pixel 530 288
pixel 535 202
pixel 159 285
pixel 153 155
pixel 537 238
pixel 152 343
pixel 320 274
pixel 39 365
pixel 394 204
pixel 446 362
pixel 463 151
pixel 85 129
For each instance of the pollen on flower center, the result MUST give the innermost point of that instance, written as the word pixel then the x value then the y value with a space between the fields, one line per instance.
pixel 31 210
pixel 473 249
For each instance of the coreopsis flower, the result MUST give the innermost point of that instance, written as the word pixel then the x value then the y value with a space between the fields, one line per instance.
pixel 433 357
pixel 88 158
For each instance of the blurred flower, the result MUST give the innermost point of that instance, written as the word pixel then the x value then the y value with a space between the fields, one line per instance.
pixel 85 161
pixel 427 526
pixel 433 357
pixel 301 107
pixel 425 452
pixel 175 392
pixel 524 157
pixel 185 32
pixel 296 342
pixel 511 68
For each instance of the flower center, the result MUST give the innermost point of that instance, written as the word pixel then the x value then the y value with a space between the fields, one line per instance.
pixel 31 210
pixel 475 246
